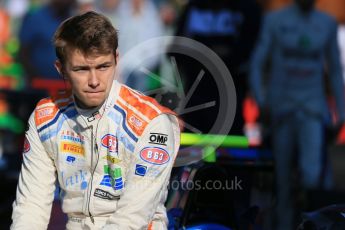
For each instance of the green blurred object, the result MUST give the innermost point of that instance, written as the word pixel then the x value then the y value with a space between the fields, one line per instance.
pixel 12 72
pixel 12 46
pixel 11 123
pixel 188 139
pixel 209 154
pixel 211 142
pixel 154 81
pixel 15 71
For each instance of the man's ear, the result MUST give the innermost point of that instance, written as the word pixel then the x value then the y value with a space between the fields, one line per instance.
pixel 117 56
pixel 59 68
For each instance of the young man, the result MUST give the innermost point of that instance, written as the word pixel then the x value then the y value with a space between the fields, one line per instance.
pixel 110 147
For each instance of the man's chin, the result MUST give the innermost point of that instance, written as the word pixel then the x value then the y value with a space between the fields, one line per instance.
pixel 89 103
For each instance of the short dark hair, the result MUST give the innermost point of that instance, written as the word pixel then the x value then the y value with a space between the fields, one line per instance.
pixel 91 33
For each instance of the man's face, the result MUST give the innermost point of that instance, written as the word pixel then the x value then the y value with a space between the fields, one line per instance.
pixel 90 76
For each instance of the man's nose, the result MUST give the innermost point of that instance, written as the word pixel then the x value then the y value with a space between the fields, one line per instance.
pixel 93 79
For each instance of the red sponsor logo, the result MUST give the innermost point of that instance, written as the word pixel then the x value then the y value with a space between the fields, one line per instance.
pixel 26 146
pixel 110 142
pixel 154 155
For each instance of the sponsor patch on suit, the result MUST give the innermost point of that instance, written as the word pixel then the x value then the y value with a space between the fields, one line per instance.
pixel 140 170
pixel 158 138
pixel 104 195
pixel 68 147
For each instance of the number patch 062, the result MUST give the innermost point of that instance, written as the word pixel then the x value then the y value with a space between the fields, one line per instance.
pixel 154 155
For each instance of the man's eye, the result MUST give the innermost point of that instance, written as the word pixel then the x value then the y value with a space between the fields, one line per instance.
pixel 103 67
pixel 79 70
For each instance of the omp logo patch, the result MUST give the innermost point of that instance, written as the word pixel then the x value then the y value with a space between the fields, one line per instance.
pixel 158 138
pixel 68 147
pixel 154 155
pixel 109 141
pixel 140 170
pixel 27 146
pixel 104 195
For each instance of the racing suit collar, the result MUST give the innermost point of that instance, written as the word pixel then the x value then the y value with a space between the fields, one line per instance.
pixel 87 117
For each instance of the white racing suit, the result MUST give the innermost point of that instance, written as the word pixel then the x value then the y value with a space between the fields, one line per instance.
pixel 112 164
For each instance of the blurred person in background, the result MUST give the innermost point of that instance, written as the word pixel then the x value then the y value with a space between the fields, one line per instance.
pixel 138 21
pixel 168 11
pixel 17 10
pixel 299 41
pixel 5 33
pixel 229 28
pixel 110 148
pixel 84 6
pixel 109 9
pixel 341 41
pixel 36 49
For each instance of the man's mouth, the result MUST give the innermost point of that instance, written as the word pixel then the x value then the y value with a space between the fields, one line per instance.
pixel 94 92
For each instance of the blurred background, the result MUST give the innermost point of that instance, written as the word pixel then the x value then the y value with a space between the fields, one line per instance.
pixel 231 29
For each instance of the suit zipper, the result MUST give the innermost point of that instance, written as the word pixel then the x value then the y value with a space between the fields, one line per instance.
pixel 93 149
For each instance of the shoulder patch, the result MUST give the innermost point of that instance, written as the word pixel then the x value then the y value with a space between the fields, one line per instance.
pixel 134 122
pixel 137 101
pixel 48 108
pixel 146 105
pixel 139 109
pixel 45 111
